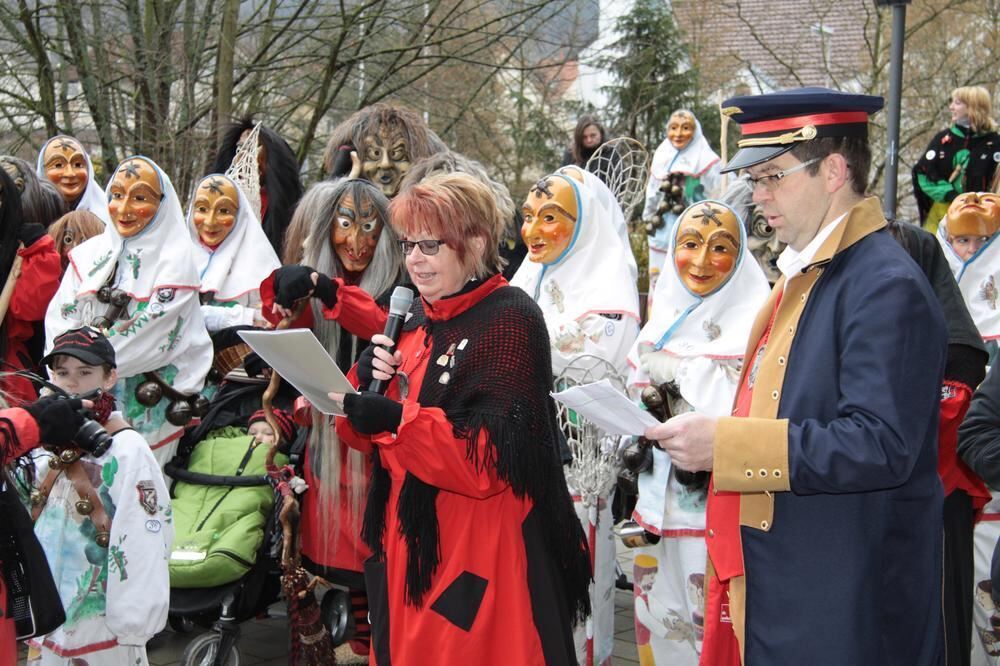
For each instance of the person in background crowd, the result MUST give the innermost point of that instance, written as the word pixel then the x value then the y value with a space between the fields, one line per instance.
pixel 41 202
pixel 964 492
pixel 570 227
pixel 828 467
pixel 967 235
pixel 512 249
pixel 29 276
pixel 477 549
pixel 280 185
pixel 231 254
pixel 684 169
pixel 588 135
pixel 350 263
pixel 387 139
pixel 961 158
pixel 66 164
pixel 104 521
pixel 72 229
pixel 137 283
pixel 691 353
pixel 50 420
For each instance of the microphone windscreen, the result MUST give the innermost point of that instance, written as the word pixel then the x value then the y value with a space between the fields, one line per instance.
pixel 401 300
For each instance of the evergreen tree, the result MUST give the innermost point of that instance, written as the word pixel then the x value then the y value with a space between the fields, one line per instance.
pixel 652 72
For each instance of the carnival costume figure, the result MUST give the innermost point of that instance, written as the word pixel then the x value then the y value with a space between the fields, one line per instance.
pixel 582 275
pixel 962 158
pixel 477 553
pixel 968 237
pixel 137 282
pixel 356 259
pixel 280 185
pixel 29 270
pixel 684 169
pixel 387 138
pixel 66 164
pixel 231 254
pixel 104 520
pixel 690 352
pixel 965 494
pixel 762 239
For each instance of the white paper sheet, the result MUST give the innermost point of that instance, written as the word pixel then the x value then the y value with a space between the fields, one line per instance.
pixel 301 361
pixel 607 408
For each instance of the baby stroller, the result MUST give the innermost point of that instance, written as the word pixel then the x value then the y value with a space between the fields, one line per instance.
pixel 224 567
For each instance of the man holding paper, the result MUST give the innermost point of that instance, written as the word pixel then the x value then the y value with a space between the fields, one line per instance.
pixel 824 515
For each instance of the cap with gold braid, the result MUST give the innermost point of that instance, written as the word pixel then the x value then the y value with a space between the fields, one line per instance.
pixel 774 123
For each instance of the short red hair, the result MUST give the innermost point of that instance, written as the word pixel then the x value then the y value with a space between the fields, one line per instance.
pixel 452 207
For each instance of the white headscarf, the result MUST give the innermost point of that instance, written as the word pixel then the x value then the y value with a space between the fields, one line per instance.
pixel 157 257
pixel 93 198
pixel 697 329
pixel 241 262
pixel 604 193
pixel 695 159
pixel 978 280
pixel 595 273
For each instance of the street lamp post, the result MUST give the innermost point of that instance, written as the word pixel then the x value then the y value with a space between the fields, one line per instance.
pixel 895 101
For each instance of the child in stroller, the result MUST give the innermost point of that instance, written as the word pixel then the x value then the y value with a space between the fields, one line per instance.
pixel 222 567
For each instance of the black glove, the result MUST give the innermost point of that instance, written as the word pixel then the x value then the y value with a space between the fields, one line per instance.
pixel 326 290
pixel 342 163
pixel 371 413
pixel 292 283
pixel 29 233
pixel 58 419
pixel 365 367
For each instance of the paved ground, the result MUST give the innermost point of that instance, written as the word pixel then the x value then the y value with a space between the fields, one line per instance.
pixel 264 642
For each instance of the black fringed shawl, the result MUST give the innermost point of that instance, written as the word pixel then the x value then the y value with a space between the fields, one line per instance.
pixel 499 385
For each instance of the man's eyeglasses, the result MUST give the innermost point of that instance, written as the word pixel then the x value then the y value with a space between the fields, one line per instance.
pixel 428 247
pixel 770 182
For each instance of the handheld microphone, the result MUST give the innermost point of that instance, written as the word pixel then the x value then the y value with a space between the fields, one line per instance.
pixel 399 306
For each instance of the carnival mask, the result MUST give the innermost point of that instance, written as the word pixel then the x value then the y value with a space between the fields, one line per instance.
pixel 763 243
pixel 680 130
pixel 550 213
pixel 66 167
pixel 355 233
pixel 214 210
pixel 707 247
pixel 14 171
pixel 386 161
pixel 973 217
pixel 134 197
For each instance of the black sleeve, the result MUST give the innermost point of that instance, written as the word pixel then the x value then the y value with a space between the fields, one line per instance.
pixel 979 434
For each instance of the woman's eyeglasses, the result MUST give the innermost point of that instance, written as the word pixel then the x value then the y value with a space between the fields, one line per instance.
pixel 428 247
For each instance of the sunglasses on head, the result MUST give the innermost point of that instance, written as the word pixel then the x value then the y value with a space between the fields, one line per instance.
pixel 428 247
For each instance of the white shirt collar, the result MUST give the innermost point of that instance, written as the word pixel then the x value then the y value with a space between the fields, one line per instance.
pixel 791 262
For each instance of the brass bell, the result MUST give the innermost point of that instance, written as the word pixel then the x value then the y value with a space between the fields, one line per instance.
pixel 676 191
pixel 69 456
pixel 102 539
pixel 37 498
pixel 179 413
pixel 677 208
pixel 84 506
pixel 652 398
pixel 638 456
pixel 55 463
pixel 149 394
pixel 627 482
pixel 200 405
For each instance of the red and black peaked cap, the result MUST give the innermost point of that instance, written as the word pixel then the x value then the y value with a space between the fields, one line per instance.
pixel 773 123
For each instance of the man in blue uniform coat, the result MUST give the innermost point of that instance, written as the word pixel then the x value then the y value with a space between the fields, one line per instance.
pixel 824 520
